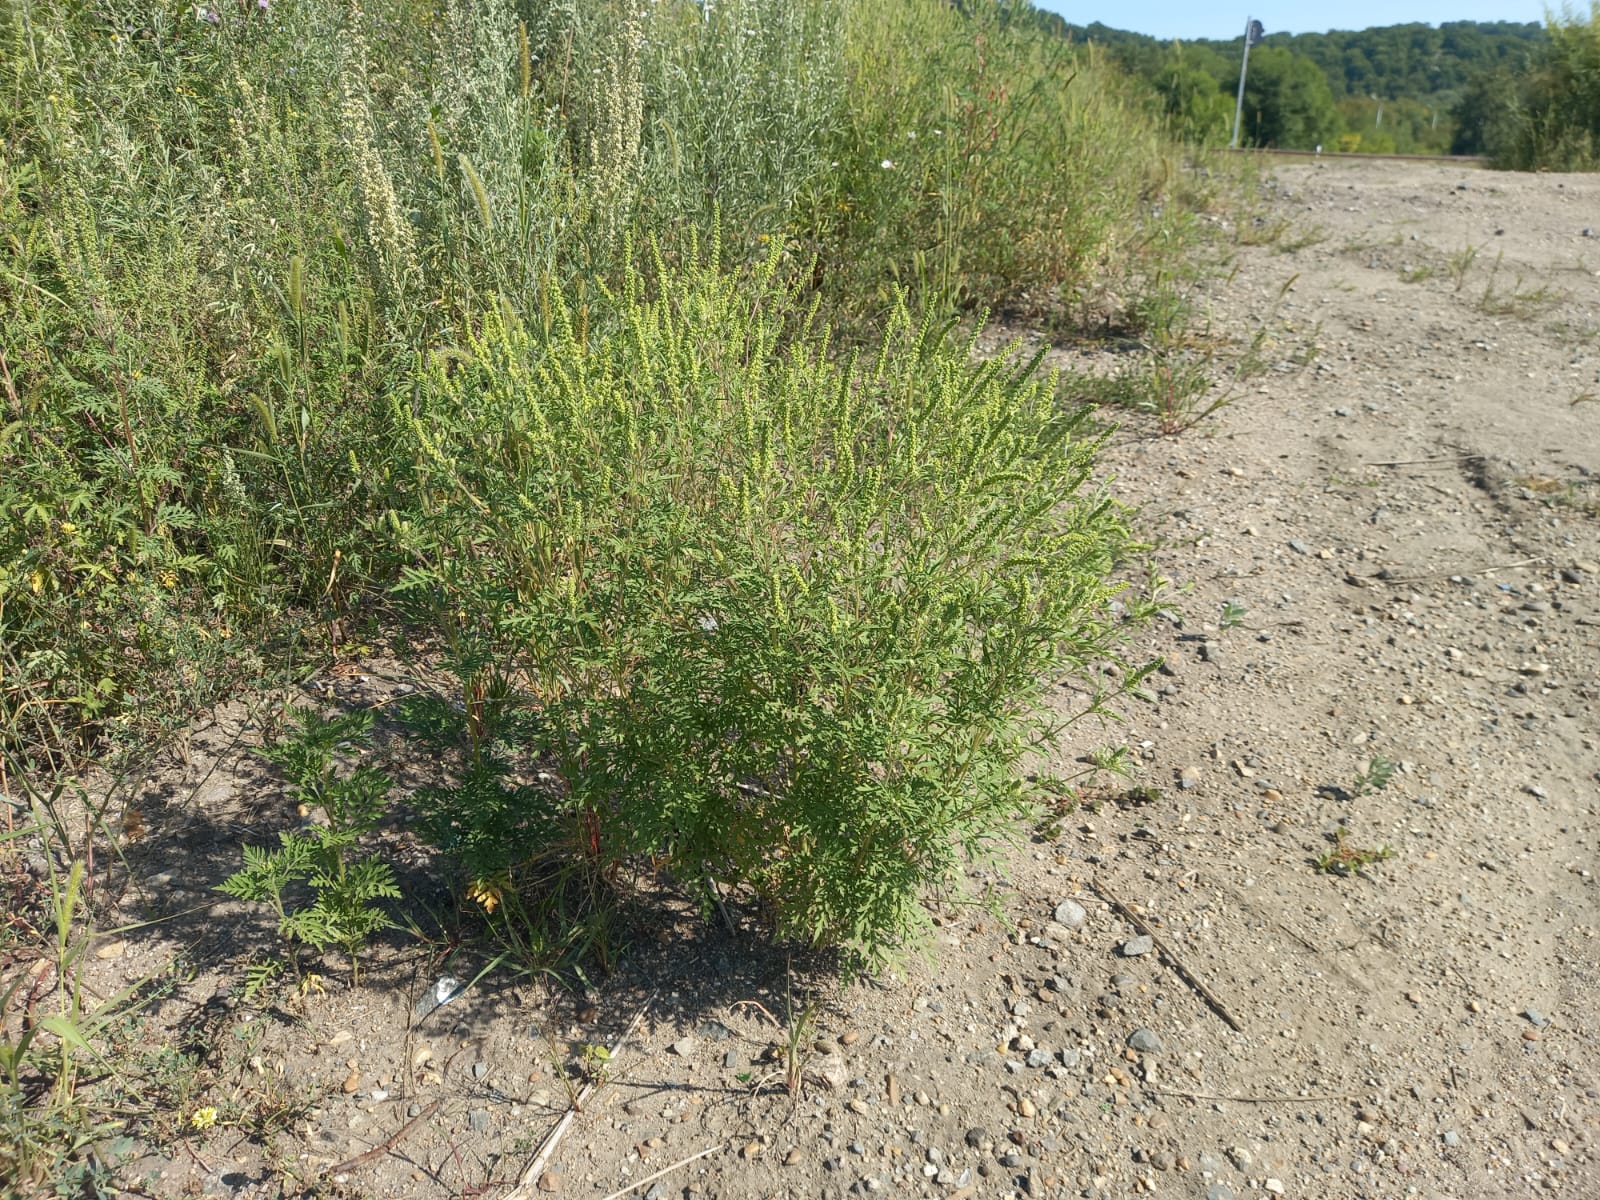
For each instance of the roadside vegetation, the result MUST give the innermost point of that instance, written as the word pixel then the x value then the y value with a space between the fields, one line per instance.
pixel 1523 94
pixel 623 357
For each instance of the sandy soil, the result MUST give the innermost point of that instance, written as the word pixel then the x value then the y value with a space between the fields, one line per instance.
pixel 1385 549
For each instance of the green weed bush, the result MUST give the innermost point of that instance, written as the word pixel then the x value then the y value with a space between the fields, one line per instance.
pixel 227 234
pixel 322 892
pixel 781 620
pixel 986 164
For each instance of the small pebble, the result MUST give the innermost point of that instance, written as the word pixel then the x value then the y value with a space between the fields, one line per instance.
pixel 1134 947
pixel 1071 914
pixel 1144 1041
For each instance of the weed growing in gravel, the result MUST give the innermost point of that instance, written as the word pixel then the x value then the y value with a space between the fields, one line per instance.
pixel 50 1134
pixel 1521 302
pixel 1345 859
pixel 777 621
pixel 1376 776
pixel 793 1052
pixel 318 858
pixel 1459 263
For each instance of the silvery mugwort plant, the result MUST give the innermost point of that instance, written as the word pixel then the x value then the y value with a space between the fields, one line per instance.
pixel 780 621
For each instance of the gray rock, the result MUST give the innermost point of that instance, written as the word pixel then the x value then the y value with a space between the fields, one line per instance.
pixel 1144 1041
pixel 1038 1058
pixel 1189 778
pixel 1219 1191
pixel 977 1136
pixel 715 1031
pixel 1451 1138
pixel 1134 947
pixel 683 1047
pixel 1536 1017
pixel 658 1191
pixel 1299 547
pixel 1071 914
pixel 479 1070
pixel 478 1119
pixel 730 1060
pixel 1069 1058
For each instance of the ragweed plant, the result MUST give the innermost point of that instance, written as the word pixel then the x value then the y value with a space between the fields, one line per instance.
pixel 781 621
pixel 318 859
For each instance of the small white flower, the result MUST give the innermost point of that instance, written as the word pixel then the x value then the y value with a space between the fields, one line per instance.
pixel 887 164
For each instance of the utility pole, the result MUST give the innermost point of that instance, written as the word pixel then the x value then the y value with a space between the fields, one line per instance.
pixel 1253 33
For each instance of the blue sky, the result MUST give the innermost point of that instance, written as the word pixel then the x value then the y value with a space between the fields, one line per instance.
pixel 1180 19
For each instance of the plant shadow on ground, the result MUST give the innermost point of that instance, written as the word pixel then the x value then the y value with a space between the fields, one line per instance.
pixel 194 1041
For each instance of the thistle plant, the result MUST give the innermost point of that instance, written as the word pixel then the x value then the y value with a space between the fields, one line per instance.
pixel 322 894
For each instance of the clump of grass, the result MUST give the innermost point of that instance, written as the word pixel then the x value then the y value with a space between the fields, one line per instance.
pixel 1459 263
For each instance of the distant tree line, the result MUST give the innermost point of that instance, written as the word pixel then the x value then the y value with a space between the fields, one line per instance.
pixel 1526 94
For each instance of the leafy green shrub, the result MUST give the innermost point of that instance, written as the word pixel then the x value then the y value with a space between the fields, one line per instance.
pixel 986 163
pixel 1548 119
pixel 339 890
pixel 782 621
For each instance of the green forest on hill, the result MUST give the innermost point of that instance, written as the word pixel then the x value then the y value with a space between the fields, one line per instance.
pixel 1523 93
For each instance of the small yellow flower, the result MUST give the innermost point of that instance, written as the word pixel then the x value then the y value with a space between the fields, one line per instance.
pixel 68 528
pixel 203 1118
pixel 168 579
pixel 486 893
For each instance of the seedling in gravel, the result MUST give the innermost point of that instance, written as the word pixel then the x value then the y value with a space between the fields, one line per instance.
pixel 794 1051
pixel 1375 778
pixel 1345 859
pixel 318 858
pixel 1460 263
pixel 1232 615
